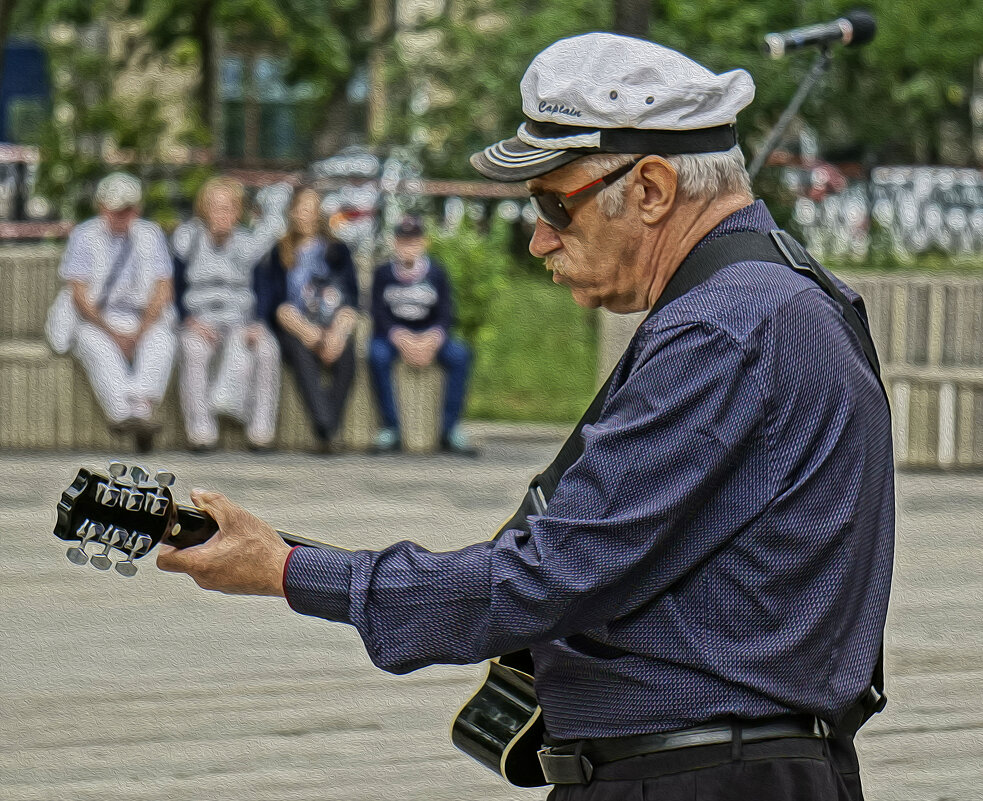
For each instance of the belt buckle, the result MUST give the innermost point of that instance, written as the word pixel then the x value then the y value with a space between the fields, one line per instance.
pixel 573 768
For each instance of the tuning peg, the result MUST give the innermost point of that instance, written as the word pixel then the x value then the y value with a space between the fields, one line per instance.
pixel 113 536
pixel 138 475
pixel 117 470
pixel 139 544
pixel 165 478
pixel 87 531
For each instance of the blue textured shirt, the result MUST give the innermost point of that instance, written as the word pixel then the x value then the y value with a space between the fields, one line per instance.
pixel 729 529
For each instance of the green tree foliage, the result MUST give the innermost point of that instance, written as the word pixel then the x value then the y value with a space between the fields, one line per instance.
pixel 880 103
pixel 473 75
pixel 478 267
pixel 90 119
pixel 322 42
pixel 458 91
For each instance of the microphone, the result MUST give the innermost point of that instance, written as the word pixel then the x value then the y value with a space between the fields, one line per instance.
pixel 856 28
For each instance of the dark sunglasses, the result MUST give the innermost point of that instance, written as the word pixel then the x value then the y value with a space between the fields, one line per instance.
pixel 553 208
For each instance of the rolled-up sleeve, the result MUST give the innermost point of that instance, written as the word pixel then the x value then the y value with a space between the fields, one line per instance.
pixel 621 527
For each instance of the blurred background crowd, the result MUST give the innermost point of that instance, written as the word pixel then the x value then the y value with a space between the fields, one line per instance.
pixel 232 299
pixel 347 120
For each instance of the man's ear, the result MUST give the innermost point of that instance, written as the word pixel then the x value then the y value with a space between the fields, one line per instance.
pixel 657 179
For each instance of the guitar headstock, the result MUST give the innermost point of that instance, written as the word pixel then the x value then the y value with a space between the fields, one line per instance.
pixel 120 512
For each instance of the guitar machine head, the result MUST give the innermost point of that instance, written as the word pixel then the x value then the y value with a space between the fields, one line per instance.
pixel 121 512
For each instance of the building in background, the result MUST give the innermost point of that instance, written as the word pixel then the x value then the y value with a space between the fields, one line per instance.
pixel 25 92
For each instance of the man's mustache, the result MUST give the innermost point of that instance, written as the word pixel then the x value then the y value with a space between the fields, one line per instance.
pixel 555 264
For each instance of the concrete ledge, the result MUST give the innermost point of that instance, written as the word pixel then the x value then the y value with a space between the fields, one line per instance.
pixel 35 397
pixel 46 403
pixel 29 278
pixel 25 351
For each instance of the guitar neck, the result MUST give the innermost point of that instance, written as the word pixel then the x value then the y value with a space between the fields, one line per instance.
pixel 193 527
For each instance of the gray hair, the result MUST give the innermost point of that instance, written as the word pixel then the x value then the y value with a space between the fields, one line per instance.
pixel 699 176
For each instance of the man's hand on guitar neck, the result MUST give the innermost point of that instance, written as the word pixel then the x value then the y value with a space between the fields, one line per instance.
pixel 245 556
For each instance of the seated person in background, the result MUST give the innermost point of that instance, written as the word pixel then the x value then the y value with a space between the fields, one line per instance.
pixel 214 288
pixel 307 293
pixel 119 273
pixel 411 319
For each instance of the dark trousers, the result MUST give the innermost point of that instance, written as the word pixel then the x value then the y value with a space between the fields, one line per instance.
pixel 454 356
pixel 323 389
pixel 789 769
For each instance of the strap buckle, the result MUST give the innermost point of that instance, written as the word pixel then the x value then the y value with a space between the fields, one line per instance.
pixel 573 768
pixel 877 700
pixel 537 497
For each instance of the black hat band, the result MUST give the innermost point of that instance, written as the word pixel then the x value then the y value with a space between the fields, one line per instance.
pixel 637 140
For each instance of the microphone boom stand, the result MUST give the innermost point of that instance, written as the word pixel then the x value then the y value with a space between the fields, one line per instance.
pixel 819 66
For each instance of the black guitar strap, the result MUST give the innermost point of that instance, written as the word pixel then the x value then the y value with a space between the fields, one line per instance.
pixel 115 273
pixel 777 247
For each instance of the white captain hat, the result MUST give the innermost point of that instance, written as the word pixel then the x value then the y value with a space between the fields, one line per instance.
pixel 605 93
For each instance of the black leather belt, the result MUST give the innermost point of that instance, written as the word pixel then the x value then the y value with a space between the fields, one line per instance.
pixel 573 763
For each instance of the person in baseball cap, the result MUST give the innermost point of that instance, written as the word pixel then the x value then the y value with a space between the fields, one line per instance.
pixel 118 198
pixel 120 328
pixel 412 315
pixel 117 191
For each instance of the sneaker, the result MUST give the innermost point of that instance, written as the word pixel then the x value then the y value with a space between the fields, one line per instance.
pixel 457 442
pixel 144 440
pixel 387 441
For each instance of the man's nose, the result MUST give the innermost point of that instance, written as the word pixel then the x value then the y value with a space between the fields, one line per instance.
pixel 544 240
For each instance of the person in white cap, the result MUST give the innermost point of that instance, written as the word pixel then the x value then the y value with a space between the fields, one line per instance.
pixel 701 577
pixel 119 275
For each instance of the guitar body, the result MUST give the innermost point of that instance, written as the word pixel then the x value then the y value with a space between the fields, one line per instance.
pixel 501 725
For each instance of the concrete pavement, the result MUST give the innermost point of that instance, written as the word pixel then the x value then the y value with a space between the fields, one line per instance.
pixel 150 689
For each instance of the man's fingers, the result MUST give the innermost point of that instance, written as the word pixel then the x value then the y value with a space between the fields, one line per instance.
pixel 215 503
pixel 187 560
pixel 203 497
pixel 225 513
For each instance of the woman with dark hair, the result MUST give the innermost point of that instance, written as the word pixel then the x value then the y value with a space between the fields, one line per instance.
pixel 308 293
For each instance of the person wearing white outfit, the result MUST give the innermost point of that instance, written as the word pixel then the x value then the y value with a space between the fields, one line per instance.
pixel 216 301
pixel 118 273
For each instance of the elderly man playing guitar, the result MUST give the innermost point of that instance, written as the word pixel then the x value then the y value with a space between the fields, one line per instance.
pixel 701 577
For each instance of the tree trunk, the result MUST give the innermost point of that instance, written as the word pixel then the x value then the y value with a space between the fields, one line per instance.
pixel 381 26
pixel 631 17
pixel 201 30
